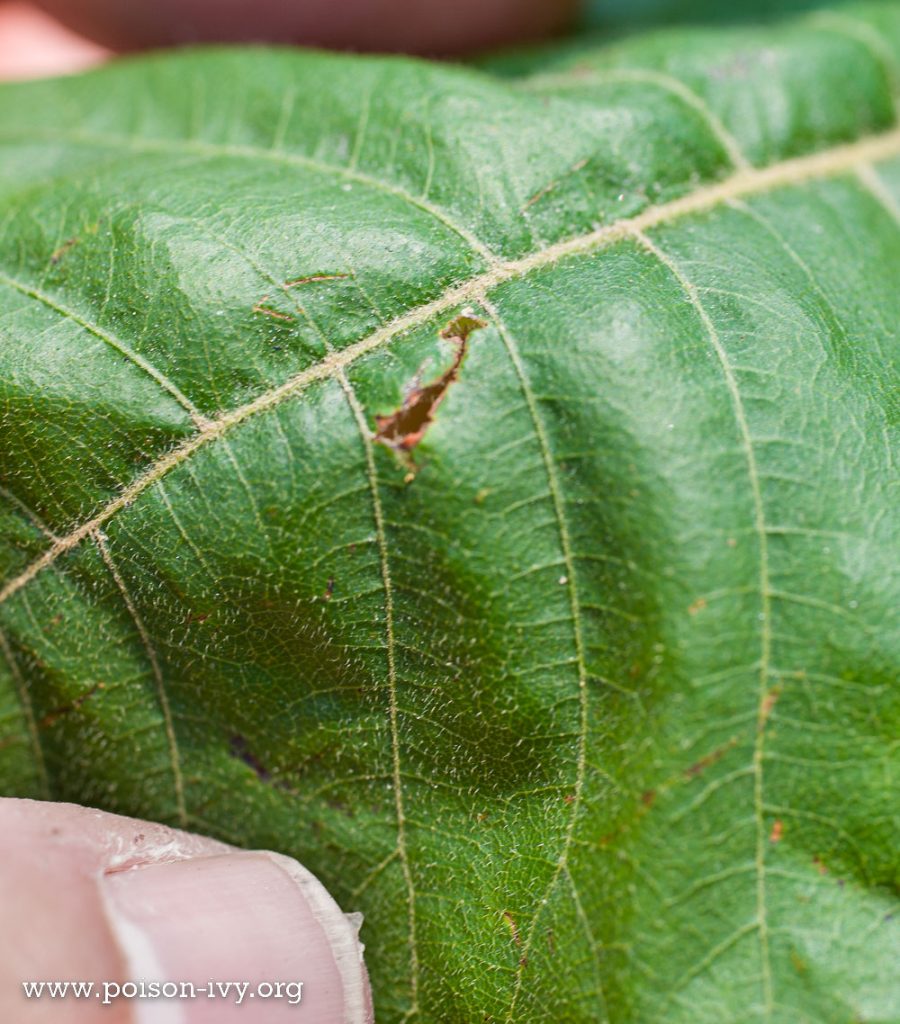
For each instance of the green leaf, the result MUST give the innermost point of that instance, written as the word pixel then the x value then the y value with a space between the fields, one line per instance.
pixel 615 13
pixel 588 699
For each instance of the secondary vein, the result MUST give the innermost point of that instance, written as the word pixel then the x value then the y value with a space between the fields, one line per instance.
pixel 839 160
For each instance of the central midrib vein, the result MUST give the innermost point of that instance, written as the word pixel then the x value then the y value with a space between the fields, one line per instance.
pixel 828 163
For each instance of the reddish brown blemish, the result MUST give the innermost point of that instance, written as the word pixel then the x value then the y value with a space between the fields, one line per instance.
pixel 404 429
pixel 513 927
pixel 538 196
pixel 697 606
pixel 52 716
pixel 268 311
pixel 314 279
pixel 699 767
pixel 777 831
pixel 58 254
pixel 648 797
pixel 765 709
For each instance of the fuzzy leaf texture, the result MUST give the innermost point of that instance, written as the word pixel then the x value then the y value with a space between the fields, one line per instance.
pixel 593 712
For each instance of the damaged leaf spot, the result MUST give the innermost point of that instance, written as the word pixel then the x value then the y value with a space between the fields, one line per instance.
pixel 241 750
pixel 55 714
pixel 268 311
pixel 553 185
pixel 777 831
pixel 766 707
pixel 513 927
pixel 314 279
pixel 699 767
pixel 58 254
pixel 516 937
pixel 406 427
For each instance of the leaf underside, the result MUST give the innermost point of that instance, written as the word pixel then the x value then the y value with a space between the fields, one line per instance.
pixel 595 714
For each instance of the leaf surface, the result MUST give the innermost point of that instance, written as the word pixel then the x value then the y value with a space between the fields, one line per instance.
pixel 589 700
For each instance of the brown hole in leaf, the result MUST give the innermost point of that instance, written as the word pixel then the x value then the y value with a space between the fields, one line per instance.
pixel 240 749
pixel 406 427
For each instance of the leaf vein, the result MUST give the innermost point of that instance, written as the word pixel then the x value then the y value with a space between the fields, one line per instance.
pixel 175 759
pixel 138 360
pixel 765 592
pixel 669 83
pixel 580 659
pixel 839 160
pixel 28 711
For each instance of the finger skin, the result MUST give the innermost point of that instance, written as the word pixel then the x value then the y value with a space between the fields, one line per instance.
pixel 432 27
pixel 90 896
pixel 33 44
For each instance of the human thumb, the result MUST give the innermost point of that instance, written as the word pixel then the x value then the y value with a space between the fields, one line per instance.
pixel 164 926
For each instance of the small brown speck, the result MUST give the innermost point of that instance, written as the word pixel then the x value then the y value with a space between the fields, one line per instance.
pixel 58 254
pixel 513 927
